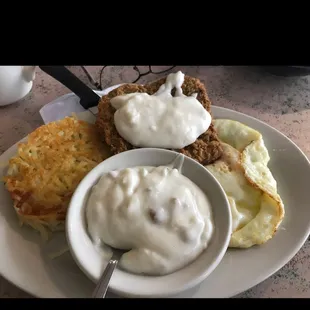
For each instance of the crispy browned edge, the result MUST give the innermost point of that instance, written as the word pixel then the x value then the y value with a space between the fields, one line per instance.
pixel 206 149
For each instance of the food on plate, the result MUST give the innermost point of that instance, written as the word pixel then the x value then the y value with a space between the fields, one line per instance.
pixel 173 113
pixel 257 208
pixel 43 175
pixel 161 120
pixel 159 215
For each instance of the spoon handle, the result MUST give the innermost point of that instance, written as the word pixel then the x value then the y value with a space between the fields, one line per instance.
pixel 103 284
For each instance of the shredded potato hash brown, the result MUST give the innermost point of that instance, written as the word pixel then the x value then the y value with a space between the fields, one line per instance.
pixel 43 175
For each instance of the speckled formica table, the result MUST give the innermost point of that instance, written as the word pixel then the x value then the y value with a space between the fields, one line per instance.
pixel 281 102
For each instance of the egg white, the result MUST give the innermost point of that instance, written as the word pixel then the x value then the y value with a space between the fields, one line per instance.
pixel 257 209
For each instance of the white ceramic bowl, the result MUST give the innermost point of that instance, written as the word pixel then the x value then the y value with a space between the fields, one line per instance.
pixel 131 285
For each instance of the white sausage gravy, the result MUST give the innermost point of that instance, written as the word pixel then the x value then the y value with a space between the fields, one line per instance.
pixel 161 216
pixel 161 120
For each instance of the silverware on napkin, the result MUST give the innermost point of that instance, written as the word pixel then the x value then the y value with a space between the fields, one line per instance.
pixel 83 98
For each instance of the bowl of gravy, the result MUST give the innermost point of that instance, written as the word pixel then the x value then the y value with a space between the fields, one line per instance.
pixel 165 209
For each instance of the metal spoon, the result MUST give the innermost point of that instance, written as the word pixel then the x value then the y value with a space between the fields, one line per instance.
pixel 103 284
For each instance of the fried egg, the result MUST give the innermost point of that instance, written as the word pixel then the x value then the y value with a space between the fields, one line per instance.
pixel 256 207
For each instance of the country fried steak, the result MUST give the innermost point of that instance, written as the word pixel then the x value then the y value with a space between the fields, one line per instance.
pixel 206 149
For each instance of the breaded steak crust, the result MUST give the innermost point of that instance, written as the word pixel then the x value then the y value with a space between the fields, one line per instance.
pixel 206 149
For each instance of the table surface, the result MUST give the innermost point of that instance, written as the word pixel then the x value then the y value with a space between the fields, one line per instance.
pixel 281 102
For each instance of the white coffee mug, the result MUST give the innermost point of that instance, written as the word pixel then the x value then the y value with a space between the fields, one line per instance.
pixel 15 83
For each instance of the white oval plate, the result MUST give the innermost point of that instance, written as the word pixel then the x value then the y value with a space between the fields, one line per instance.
pixel 25 262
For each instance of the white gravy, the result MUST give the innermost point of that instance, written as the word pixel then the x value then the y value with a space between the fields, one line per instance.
pixel 161 120
pixel 158 214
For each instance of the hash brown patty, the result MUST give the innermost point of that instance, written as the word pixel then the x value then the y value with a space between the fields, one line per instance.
pixel 48 167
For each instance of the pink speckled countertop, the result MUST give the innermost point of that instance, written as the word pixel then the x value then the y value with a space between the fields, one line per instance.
pixel 281 102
